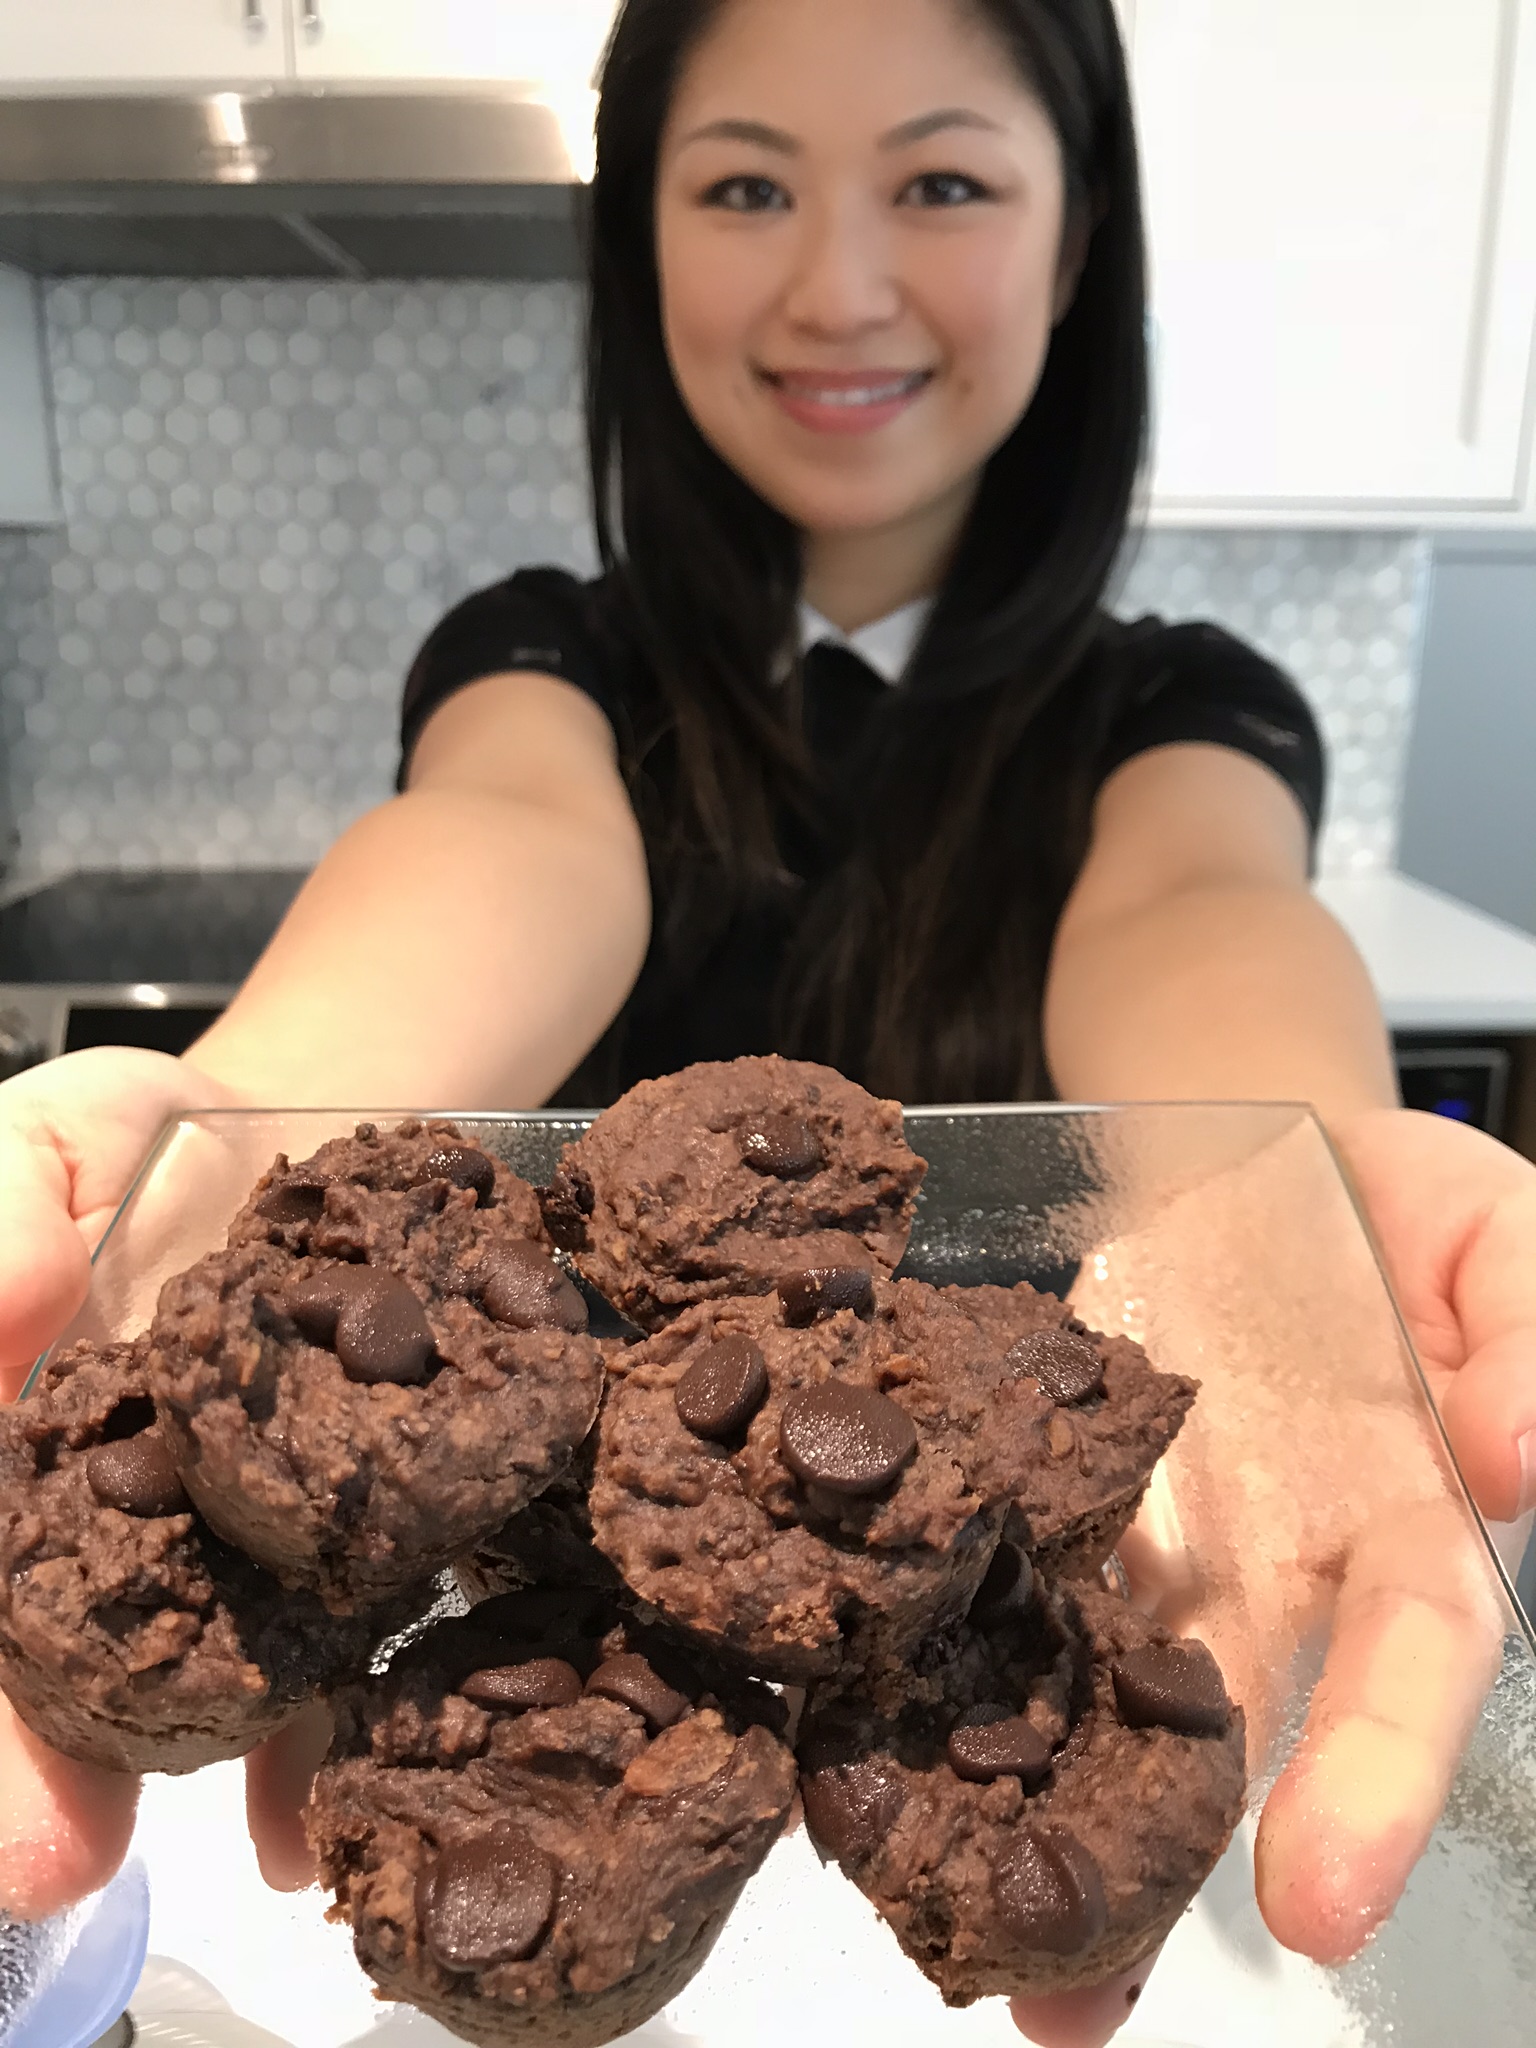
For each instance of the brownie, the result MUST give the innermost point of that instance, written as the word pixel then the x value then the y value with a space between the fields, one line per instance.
pixel 380 1368
pixel 805 1495
pixel 711 1182
pixel 1114 1418
pixel 130 1636
pixel 1033 1803
pixel 537 1822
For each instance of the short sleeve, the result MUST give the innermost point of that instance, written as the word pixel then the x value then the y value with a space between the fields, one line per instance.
pixel 539 619
pixel 1197 683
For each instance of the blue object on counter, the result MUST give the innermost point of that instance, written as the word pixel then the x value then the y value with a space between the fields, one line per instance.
pixel 62 1984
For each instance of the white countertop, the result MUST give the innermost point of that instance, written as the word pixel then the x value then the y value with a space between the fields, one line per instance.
pixel 1438 965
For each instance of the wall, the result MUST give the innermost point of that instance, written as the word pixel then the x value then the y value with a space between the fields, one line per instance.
pixel 273 490
pixel 1469 816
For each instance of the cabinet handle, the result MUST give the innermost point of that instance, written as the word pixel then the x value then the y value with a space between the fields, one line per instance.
pixel 309 18
pixel 255 18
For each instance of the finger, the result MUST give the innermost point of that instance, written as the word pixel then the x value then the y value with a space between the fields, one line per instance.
pixel 44 1265
pixel 1082 2019
pixel 278 1776
pixel 1417 1640
pixel 1489 1411
pixel 73 1134
pixel 64 1826
pixel 1489 1406
pixel 1460 1261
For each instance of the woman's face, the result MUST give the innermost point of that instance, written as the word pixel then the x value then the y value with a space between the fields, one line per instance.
pixel 859 228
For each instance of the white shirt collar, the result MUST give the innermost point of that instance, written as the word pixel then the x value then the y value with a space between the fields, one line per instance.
pixel 887 644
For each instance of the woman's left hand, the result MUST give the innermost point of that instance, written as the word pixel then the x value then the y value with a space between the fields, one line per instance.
pixel 1411 1658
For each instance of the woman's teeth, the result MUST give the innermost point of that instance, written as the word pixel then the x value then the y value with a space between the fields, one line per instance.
pixel 847 395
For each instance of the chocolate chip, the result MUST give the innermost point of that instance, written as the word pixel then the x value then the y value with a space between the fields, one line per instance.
pixel 1067 1367
pixel 631 1681
pixel 487 1900
pixel 848 1440
pixel 722 1390
pixel 812 1296
pixel 382 1334
pixel 316 1302
pixel 851 1807
pixel 1172 1685
pixel 293 1201
pixel 521 1286
pixel 782 1146
pixel 137 1475
pixel 1049 1893
pixel 990 1742
pixel 1008 1587
pixel 463 1167
pixel 541 1682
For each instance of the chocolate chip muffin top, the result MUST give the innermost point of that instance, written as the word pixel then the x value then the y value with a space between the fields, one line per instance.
pixel 785 1487
pixel 1114 1414
pixel 537 1821
pixel 1037 1796
pixel 712 1182
pixel 129 1634
pixel 358 1392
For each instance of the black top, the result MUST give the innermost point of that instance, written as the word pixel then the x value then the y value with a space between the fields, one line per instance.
pixel 1172 683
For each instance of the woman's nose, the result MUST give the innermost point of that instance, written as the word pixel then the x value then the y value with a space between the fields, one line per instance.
pixel 843 281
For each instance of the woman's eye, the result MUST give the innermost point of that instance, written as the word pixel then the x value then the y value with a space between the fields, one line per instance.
pixel 748 195
pixel 944 188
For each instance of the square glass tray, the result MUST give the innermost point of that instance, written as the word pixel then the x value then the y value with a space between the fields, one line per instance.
pixel 1225 1239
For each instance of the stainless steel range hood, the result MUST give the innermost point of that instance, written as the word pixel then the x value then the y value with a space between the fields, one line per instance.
pixel 479 182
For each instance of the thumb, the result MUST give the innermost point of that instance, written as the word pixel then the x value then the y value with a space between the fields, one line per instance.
pixel 45 1268
pixel 1083 2019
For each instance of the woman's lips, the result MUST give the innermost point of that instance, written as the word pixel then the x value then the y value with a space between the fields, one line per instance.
pixel 846 401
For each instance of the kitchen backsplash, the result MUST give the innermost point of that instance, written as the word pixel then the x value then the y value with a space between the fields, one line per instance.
pixel 274 490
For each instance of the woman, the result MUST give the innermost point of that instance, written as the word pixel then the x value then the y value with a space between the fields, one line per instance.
pixel 867 366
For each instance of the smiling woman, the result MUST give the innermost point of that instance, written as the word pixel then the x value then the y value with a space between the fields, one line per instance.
pixel 843 754
pixel 867 329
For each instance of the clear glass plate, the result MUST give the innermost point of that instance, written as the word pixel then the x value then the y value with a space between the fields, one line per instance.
pixel 1225 1239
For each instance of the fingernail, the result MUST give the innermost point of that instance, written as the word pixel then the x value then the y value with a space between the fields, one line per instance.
pixel 1527 1474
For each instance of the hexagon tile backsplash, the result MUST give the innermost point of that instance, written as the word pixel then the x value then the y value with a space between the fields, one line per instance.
pixel 274 490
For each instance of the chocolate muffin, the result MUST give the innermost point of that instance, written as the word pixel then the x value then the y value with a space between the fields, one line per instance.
pixel 1033 1803
pixel 804 1486
pixel 366 1386
pixel 712 1182
pixel 289 1200
pixel 537 1823
pixel 129 1635
pixel 1114 1418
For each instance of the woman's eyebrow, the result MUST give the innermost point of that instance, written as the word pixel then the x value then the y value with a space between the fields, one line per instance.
pixel 757 132
pixel 935 123
pixel 762 136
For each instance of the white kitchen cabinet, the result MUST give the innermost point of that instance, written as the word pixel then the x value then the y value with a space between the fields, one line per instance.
pixel 28 490
pixel 560 40
pixel 93 43
pixel 1342 210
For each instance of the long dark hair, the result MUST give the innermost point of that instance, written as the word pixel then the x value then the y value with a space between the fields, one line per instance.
pixel 919 965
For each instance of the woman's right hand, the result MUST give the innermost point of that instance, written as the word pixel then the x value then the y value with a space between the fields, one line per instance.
pixel 72 1136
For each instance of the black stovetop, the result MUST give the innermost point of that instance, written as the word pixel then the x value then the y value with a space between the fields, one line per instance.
pixel 170 926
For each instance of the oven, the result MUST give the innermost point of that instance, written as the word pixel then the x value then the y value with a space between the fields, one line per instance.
pixel 144 959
